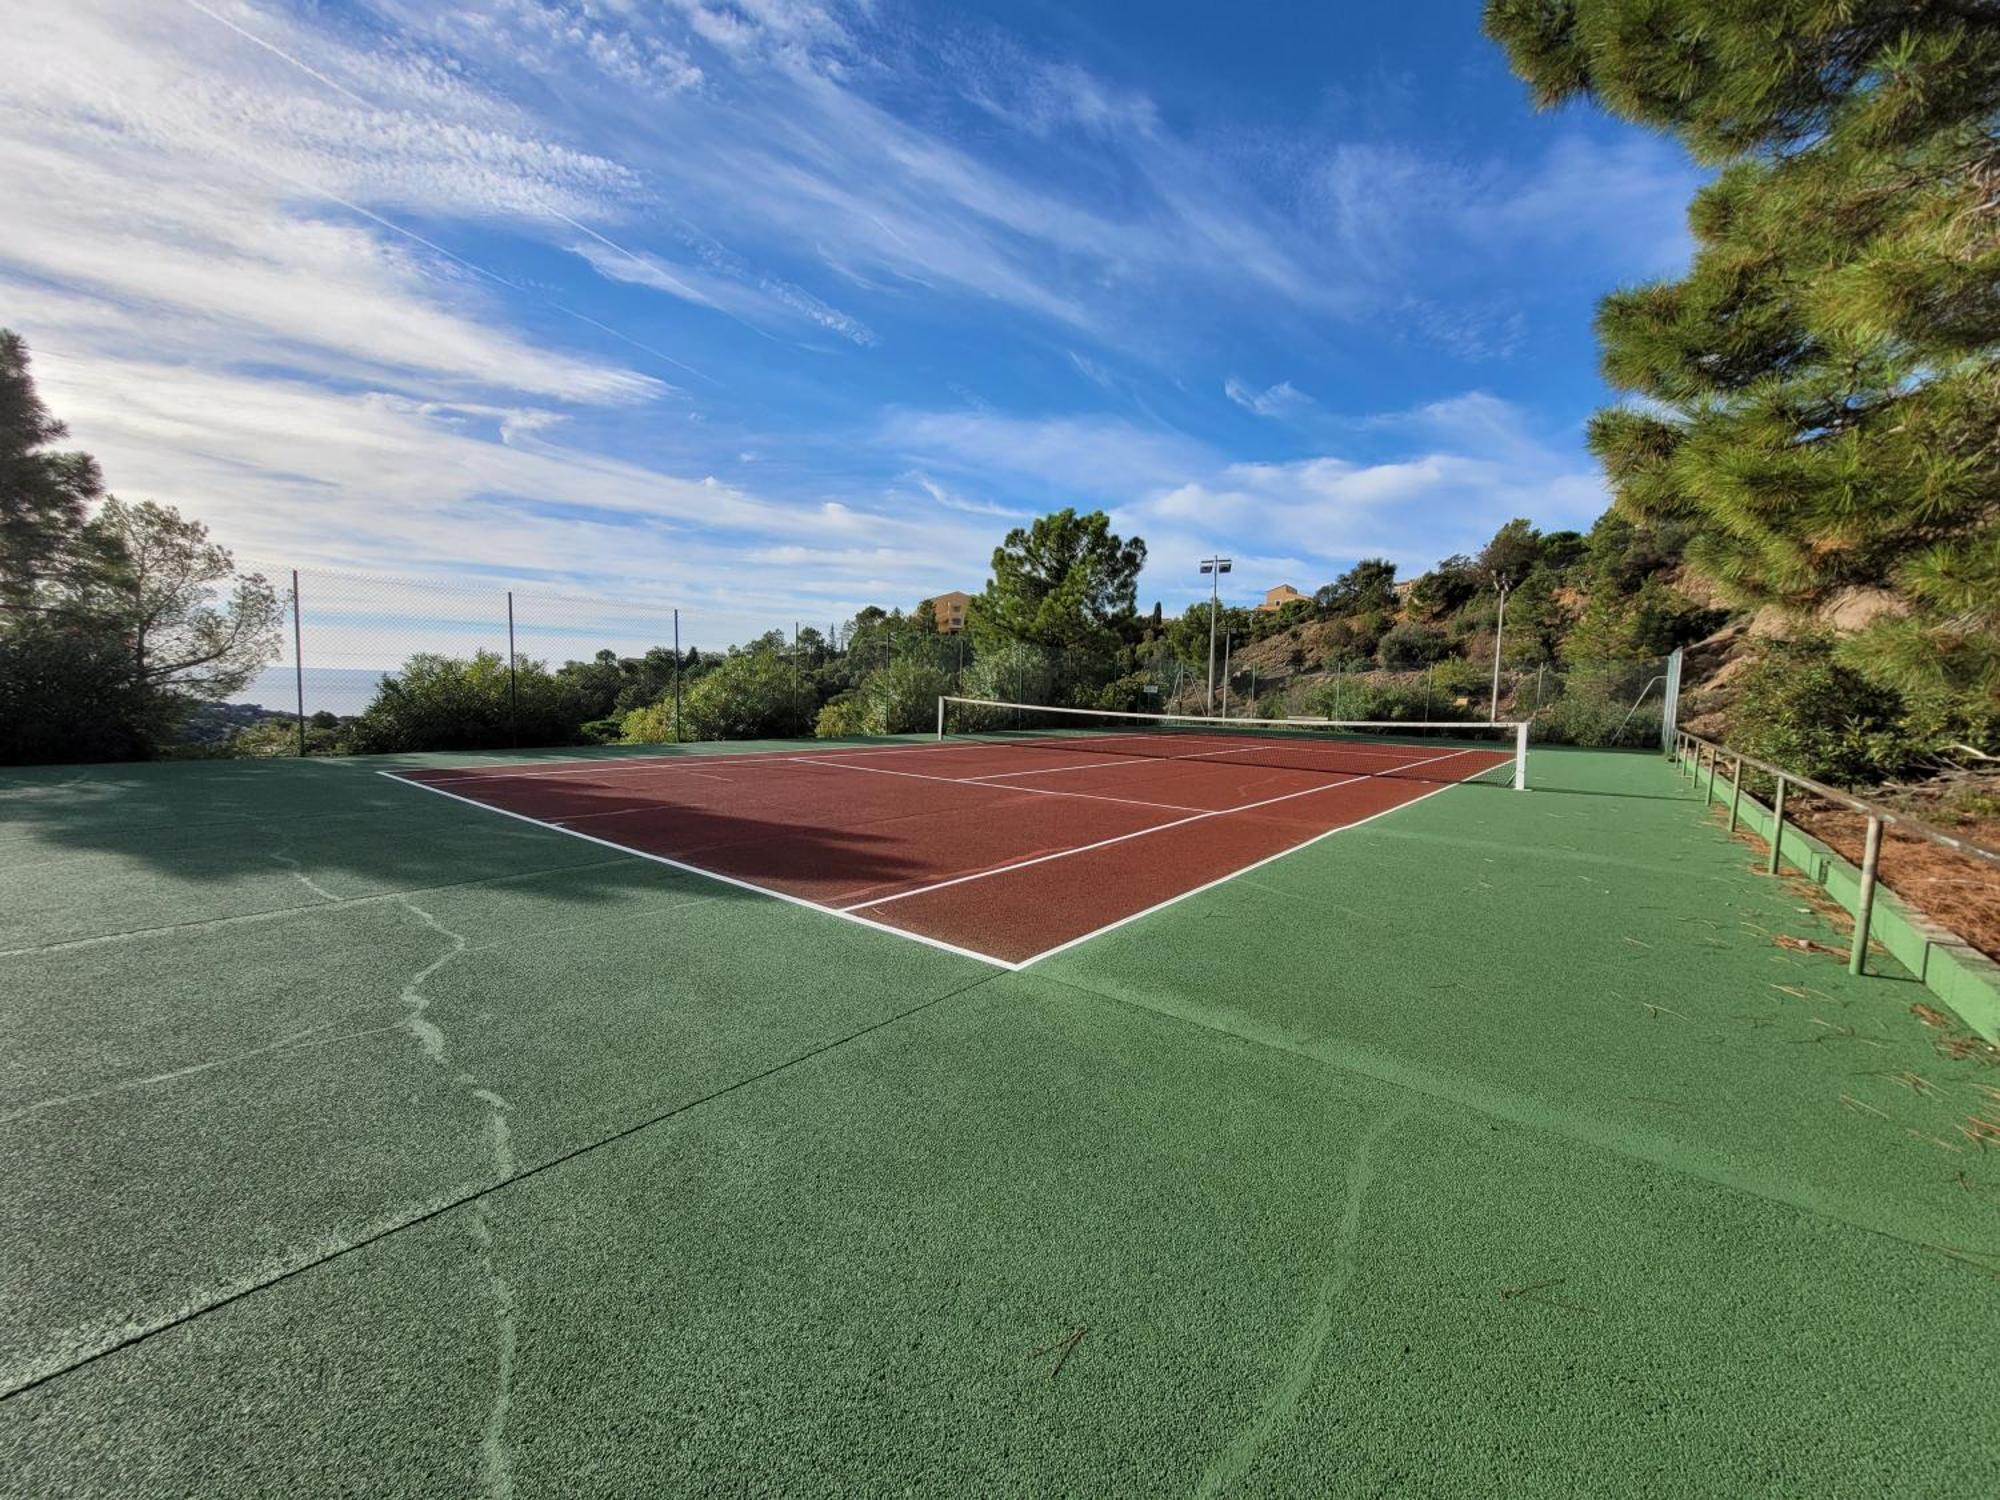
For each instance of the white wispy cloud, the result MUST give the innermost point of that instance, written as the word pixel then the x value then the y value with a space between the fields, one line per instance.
pixel 342 283
pixel 1280 400
pixel 1471 463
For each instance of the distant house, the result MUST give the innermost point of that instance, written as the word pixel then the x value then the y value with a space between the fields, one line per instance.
pixel 949 610
pixel 1402 590
pixel 1277 598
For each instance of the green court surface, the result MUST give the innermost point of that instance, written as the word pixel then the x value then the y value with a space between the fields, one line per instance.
pixel 358 1141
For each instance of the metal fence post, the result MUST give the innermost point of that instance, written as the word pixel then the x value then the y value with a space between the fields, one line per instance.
pixel 1777 825
pixel 298 661
pixel 1735 792
pixel 1871 860
pixel 513 681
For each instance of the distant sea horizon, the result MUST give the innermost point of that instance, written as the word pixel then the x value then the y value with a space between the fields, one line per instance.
pixel 336 690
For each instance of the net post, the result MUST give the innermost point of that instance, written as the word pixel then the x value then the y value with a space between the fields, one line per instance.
pixel 1521 756
pixel 940 716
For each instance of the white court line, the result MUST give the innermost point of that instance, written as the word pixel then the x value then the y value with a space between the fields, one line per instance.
pixel 1040 859
pixel 692 763
pixel 1396 762
pixel 1080 938
pixel 675 864
pixel 1012 965
pixel 980 782
pixel 837 765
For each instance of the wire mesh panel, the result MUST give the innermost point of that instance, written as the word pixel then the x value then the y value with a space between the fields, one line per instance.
pixel 347 634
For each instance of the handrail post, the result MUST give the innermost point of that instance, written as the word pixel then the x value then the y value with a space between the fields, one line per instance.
pixel 1735 792
pixel 1864 908
pixel 1777 825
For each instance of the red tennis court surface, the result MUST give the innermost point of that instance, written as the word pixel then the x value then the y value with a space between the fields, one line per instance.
pixel 1003 851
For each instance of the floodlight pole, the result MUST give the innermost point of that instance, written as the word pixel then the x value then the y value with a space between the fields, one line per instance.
pixel 1502 584
pixel 1214 568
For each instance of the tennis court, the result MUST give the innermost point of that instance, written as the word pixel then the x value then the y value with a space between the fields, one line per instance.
pixel 363 1139
pixel 1007 845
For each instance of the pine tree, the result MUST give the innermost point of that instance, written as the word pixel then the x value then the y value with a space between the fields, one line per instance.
pixel 1819 397
pixel 44 496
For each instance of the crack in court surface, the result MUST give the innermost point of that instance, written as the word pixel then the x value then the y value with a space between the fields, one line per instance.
pixel 1311 1341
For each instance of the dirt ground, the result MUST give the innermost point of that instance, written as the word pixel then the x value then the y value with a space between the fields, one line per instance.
pixel 1953 889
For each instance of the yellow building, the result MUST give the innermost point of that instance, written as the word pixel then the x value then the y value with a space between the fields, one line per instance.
pixel 1277 598
pixel 950 610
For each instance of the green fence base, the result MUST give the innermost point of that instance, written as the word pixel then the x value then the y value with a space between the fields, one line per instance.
pixel 1952 969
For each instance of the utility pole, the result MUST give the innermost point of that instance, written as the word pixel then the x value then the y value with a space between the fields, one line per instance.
pixel 1502 585
pixel 1213 568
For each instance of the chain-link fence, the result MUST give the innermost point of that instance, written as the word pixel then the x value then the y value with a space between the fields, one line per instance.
pixel 1587 703
pixel 346 635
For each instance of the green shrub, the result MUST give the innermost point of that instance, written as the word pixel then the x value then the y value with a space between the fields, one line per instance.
pixel 1373 696
pixel 754 695
pixel 1011 673
pixel 900 698
pixel 280 737
pixel 1800 708
pixel 1411 647
pixel 469 703
pixel 842 718
pixel 903 696
pixel 69 695
pixel 1588 713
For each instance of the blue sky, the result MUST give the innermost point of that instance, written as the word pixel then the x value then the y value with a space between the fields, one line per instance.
pixel 775 309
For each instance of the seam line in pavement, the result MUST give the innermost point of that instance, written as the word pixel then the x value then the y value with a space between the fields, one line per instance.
pixel 438 1211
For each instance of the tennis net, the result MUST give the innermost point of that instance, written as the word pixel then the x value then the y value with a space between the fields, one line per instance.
pixel 1441 752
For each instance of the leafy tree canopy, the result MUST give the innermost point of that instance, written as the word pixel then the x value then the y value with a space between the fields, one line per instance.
pixel 44 496
pixel 1369 584
pixel 1065 581
pixel 1819 389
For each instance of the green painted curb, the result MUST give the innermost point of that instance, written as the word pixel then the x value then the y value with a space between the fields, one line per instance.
pixel 1952 969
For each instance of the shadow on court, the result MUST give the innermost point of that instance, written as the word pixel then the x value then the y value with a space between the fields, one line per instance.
pixel 221 839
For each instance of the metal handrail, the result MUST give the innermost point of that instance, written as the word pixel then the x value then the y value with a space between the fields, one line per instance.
pixel 1851 802
pixel 1877 815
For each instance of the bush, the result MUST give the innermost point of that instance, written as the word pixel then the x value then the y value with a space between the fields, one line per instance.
pixel 755 695
pixel 469 703
pixel 903 696
pixel 1011 673
pixel 1588 713
pixel 900 698
pixel 1400 700
pixel 69 695
pixel 1411 647
pixel 842 718
pixel 280 737
pixel 1801 709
